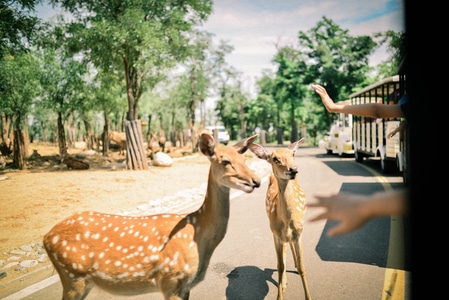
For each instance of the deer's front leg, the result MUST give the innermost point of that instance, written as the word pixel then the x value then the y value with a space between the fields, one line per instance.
pixel 299 263
pixel 281 249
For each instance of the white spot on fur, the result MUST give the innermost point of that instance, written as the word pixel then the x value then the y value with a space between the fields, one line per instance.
pixel 55 239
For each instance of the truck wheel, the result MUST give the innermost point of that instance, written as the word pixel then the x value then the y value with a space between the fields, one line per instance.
pixel 405 174
pixel 358 157
pixel 386 166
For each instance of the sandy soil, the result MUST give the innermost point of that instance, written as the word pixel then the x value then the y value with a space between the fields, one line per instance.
pixel 32 201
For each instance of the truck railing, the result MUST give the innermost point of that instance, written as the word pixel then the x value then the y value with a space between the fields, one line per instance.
pixel 370 134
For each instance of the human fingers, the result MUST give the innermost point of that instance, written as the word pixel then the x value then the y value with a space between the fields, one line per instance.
pixel 316 87
pixel 337 230
pixel 321 201
pixel 322 216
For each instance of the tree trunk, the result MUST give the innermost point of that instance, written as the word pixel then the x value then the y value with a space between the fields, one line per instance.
pixel 279 135
pixel 7 135
pixel 20 145
pixel 61 137
pixel 44 134
pixel 20 151
pixel 105 134
pixel 91 140
pixel 150 116
pixel 71 134
pixel 136 158
pixel 294 132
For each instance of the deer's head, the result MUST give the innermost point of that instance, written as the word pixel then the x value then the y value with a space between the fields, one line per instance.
pixel 228 165
pixel 282 160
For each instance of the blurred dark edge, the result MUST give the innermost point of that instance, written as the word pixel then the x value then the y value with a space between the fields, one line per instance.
pixel 425 53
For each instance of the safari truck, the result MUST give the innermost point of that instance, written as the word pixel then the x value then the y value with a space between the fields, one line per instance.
pixel 370 135
pixel 339 138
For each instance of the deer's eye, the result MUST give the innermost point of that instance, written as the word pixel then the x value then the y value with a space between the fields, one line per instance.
pixel 226 162
pixel 276 161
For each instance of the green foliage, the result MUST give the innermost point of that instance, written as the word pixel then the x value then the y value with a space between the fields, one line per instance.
pixel 65 89
pixel 143 38
pixel 335 59
pixel 328 55
pixel 396 47
pixel 19 77
pixel 16 25
pixel 233 103
pixel 146 59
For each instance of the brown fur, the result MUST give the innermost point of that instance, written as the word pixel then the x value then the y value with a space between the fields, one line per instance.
pixel 285 206
pixel 167 253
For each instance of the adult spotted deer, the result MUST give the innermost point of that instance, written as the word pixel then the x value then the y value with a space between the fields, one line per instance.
pixel 285 206
pixel 167 253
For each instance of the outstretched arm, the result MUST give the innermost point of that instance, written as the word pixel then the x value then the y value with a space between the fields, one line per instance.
pixel 372 110
pixel 397 129
pixel 354 210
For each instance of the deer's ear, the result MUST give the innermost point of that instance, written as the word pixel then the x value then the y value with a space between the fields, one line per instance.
pixel 243 145
pixel 294 146
pixel 207 145
pixel 259 151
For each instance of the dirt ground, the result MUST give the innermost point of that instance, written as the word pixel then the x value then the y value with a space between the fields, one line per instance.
pixel 34 200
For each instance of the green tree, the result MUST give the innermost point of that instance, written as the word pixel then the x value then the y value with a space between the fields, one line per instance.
pixel 233 104
pixel 110 98
pixel 396 47
pixel 17 26
pixel 64 89
pixel 289 89
pixel 20 86
pixel 16 35
pixel 336 60
pixel 264 108
pixel 141 37
pixel 197 70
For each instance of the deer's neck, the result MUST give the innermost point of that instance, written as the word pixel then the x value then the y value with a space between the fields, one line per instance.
pixel 214 213
pixel 287 191
pixel 211 224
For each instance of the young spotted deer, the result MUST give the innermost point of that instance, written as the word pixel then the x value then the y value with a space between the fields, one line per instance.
pixel 167 253
pixel 285 206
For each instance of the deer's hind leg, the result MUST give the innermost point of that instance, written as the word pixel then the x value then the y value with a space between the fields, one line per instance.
pixel 72 289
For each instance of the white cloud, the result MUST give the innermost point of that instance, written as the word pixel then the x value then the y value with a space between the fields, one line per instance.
pixel 253 27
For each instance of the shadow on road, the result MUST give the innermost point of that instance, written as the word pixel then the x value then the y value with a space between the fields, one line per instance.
pixel 345 168
pixel 367 245
pixel 249 282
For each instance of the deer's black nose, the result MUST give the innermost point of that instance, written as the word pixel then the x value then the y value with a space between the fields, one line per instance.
pixel 256 182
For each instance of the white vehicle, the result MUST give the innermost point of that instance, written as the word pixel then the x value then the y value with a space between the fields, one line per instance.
pixel 339 138
pixel 222 133
pixel 370 135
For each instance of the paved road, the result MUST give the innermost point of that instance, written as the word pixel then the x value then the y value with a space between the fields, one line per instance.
pixel 366 264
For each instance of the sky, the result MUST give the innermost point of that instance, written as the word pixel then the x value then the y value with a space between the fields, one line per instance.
pixel 254 27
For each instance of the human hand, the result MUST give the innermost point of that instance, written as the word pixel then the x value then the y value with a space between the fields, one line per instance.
pixel 397 129
pixel 319 90
pixel 325 98
pixel 393 132
pixel 350 209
